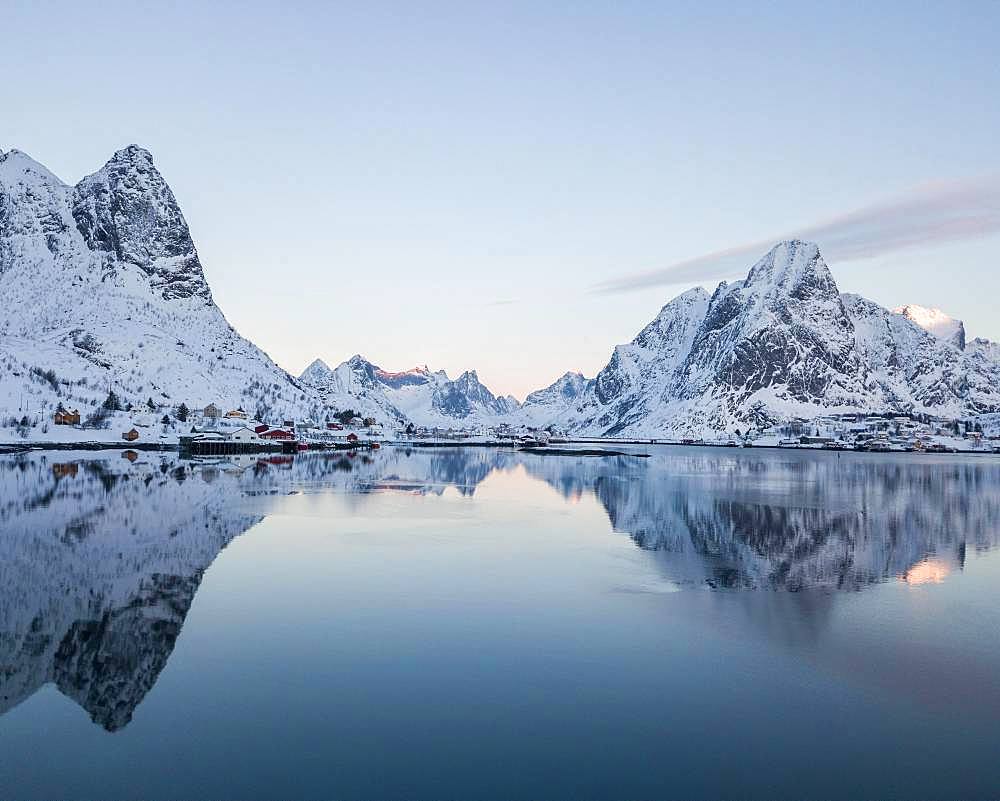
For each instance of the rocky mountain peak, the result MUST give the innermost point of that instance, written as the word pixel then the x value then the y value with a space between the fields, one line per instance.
pixel 127 210
pixel 936 322
pixel 792 267
pixel 564 390
pixel 417 376
pixel 133 154
pixel 103 285
pixel 316 373
pixel 783 343
pixel 18 166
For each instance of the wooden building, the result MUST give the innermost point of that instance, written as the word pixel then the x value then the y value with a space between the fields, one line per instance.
pixel 65 418
pixel 277 433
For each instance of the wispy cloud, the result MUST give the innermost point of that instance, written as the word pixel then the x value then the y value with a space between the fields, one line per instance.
pixel 937 213
pixel 501 302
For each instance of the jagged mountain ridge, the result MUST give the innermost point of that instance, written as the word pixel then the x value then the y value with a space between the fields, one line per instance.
pixel 420 396
pixel 951 330
pixel 104 290
pixel 783 343
pixel 936 322
pixel 103 286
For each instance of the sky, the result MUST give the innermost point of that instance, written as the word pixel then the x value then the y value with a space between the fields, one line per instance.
pixel 515 188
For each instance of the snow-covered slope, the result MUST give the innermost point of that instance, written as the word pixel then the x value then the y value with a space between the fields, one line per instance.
pixel 420 396
pixel 935 322
pixel 984 349
pixel 783 343
pixel 555 401
pixel 352 385
pixel 103 290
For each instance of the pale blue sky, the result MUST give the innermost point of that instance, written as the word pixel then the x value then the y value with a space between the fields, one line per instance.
pixel 444 184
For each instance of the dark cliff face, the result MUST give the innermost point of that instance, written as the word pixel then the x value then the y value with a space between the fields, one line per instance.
pixel 126 209
pixel 612 382
pixel 784 326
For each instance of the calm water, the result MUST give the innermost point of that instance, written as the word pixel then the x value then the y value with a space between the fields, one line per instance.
pixel 473 623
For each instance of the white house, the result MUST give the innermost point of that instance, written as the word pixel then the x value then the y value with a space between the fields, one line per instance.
pixel 243 434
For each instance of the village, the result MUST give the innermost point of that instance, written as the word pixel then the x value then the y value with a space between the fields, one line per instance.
pixel 214 430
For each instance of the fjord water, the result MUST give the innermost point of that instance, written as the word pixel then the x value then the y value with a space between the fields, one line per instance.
pixel 479 623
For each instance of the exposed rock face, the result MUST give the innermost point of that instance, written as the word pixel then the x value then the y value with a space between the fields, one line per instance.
pixel 465 395
pixel 555 401
pixel 984 349
pixel 782 343
pixel 936 322
pixel 126 209
pixel 353 384
pixel 913 370
pixel 418 395
pixel 103 288
pixel 567 388
pixel 784 326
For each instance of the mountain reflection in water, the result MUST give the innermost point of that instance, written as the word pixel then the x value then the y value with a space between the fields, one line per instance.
pixel 101 556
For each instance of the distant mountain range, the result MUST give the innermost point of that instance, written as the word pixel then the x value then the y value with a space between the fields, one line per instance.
pixel 419 395
pixel 104 290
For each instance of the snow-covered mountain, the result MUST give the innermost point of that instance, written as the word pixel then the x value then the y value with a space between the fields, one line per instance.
pixel 555 401
pixel 420 396
pixel 103 290
pixel 983 348
pixel 952 331
pixel 352 385
pixel 935 322
pixel 781 344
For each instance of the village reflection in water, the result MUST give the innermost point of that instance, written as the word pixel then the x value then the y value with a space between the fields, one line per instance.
pixel 101 554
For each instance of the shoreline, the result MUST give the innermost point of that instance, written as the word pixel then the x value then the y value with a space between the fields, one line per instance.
pixel 9 449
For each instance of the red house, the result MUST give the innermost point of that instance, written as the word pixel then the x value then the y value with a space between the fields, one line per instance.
pixel 334 427
pixel 277 433
pixel 352 438
pixel 260 429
